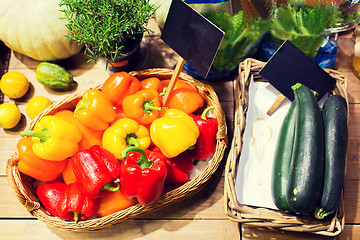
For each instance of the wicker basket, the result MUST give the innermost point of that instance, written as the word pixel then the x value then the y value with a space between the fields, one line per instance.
pixel 24 189
pixel 263 217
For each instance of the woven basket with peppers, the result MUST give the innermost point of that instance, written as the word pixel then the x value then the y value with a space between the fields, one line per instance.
pixel 112 153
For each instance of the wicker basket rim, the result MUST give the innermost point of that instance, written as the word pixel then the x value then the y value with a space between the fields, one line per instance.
pixel 33 206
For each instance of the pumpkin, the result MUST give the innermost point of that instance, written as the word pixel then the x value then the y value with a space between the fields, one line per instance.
pixel 34 28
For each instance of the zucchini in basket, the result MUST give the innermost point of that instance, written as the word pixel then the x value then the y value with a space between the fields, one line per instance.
pixel 334 114
pixel 306 170
pixel 282 159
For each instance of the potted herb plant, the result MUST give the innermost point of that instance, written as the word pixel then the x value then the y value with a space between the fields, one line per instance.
pixel 111 29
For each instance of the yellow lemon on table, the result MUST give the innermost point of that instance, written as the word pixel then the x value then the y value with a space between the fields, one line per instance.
pixel 14 84
pixel 9 115
pixel 36 105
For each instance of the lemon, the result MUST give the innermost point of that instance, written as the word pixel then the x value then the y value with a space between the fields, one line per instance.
pixel 14 84
pixel 36 105
pixel 9 115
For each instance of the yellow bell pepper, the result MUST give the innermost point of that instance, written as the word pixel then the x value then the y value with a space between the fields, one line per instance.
pixel 125 133
pixel 54 138
pixel 174 133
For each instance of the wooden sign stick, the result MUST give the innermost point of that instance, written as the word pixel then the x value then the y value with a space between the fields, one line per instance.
pixel 174 77
pixel 275 105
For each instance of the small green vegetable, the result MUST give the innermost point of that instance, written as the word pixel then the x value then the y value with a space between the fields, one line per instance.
pixel 54 76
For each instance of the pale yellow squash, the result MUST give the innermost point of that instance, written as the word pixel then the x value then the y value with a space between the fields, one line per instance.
pixel 34 28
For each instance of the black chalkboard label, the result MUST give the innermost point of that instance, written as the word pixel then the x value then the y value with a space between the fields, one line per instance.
pixel 192 36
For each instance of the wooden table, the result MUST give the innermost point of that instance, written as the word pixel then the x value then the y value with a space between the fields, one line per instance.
pixel 199 217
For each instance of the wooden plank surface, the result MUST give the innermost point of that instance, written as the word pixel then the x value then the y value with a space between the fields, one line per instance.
pixel 218 229
pixel 199 217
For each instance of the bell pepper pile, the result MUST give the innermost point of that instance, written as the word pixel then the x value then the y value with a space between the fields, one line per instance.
pixel 118 147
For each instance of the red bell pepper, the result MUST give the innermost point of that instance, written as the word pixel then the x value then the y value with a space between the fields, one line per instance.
pixel 178 168
pixel 96 169
pixel 206 142
pixel 111 162
pixel 142 174
pixel 75 204
pixel 50 194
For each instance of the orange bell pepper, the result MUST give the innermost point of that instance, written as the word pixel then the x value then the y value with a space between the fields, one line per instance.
pixel 178 84
pixel 185 99
pixel 161 113
pixel 36 167
pixel 68 173
pixel 119 85
pixel 143 106
pixel 95 110
pixel 119 113
pixel 111 202
pixel 152 82
pixel 90 137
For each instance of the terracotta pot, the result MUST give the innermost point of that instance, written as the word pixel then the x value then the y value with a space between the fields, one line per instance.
pixel 130 60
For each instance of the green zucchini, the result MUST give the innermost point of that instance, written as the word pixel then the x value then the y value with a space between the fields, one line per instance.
pixel 282 159
pixel 306 170
pixel 54 76
pixel 336 135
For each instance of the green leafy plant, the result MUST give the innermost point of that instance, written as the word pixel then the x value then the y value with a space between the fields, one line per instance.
pixel 108 27
pixel 303 26
pixel 242 34
pixel 351 18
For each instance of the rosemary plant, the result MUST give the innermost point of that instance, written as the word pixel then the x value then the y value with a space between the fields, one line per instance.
pixel 106 27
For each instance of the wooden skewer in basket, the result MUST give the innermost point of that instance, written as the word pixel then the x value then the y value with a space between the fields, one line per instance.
pixel 173 80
